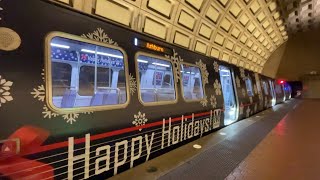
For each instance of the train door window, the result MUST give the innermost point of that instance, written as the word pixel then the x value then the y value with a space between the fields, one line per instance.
pixel 265 88
pixel 192 83
pixel 273 94
pixel 156 82
pixel 85 75
pixel 249 87
pixel 230 106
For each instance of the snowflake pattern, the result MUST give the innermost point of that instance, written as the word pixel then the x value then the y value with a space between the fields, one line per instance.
pixel 241 109
pixel 176 59
pixel 39 93
pixel 204 101
pixel 238 82
pixel 132 84
pixel 5 95
pixel 216 66
pixel 213 101
pixel 243 92
pixel 248 112
pixel 101 36
pixel 204 71
pixel 47 113
pixel 217 87
pixel 265 101
pixel 242 73
pixel 139 119
pixel 255 89
pixel 251 99
pixel 71 117
pixel 255 108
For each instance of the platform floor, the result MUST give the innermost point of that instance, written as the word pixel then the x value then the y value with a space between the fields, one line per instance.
pixel 290 151
pixel 243 150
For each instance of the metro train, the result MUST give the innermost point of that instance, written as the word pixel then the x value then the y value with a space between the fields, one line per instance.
pixel 81 97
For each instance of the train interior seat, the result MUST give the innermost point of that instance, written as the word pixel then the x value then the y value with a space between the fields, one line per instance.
pixel 69 98
pixel 98 98
pixel 148 96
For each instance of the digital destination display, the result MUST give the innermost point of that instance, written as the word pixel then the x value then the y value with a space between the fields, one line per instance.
pixel 152 46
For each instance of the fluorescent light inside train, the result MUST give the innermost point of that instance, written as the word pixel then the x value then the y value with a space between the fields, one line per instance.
pixel 101 53
pixel 159 64
pixel 142 61
pixel 59 45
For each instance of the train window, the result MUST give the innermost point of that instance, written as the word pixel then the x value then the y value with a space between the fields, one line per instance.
pixel 192 83
pixel 61 73
pixel 265 88
pixel 278 89
pixel 86 75
pixel 249 86
pixel 156 82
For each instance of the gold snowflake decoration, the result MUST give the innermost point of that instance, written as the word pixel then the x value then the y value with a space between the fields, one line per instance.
pixel 71 117
pixel 39 93
pixel 213 101
pixel 204 71
pixel 238 82
pixel 241 109
pixel 217 87
pixel 255 108
pixel 101 36
pixel 176 60
pixel 248 112
pixel 216 66
pixel 5 95
pixel 47 113
pixel 132 84
pixel 204 101
pixel 139 119
pixel 242 73
pixel 243 92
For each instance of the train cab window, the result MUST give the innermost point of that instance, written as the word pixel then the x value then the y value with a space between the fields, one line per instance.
pixel 249 86
pixel 192 83
pixel 265 88
pixel 156 80
pixel 86 75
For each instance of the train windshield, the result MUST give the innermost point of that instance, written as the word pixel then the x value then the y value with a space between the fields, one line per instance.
pixel 156 79
pixel 84 75
pixel 230 106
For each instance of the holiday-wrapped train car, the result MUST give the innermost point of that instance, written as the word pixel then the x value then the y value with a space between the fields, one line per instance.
pixel 83 98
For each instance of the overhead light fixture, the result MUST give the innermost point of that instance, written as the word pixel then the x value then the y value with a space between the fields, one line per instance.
pixel 101 53
pixel 159 64
pixel 143 61
pixel 59 45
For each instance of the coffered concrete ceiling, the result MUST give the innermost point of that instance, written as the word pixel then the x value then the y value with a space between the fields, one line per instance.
pixel 300 15
pixel 242 32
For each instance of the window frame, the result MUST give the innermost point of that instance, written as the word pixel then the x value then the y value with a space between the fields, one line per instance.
pixel 48 75
pixel 139 53
pixel 181 83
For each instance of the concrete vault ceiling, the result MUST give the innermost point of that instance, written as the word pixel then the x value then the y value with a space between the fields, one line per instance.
pixel 300 15
pixel 242 32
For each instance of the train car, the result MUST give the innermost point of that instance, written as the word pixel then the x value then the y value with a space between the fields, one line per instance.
pixel 81 97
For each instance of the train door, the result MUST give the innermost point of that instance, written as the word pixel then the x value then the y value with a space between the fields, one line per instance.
pixel 230 103
pixel 273 93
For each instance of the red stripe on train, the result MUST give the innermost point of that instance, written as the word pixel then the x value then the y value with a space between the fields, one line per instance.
pixel 108 134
